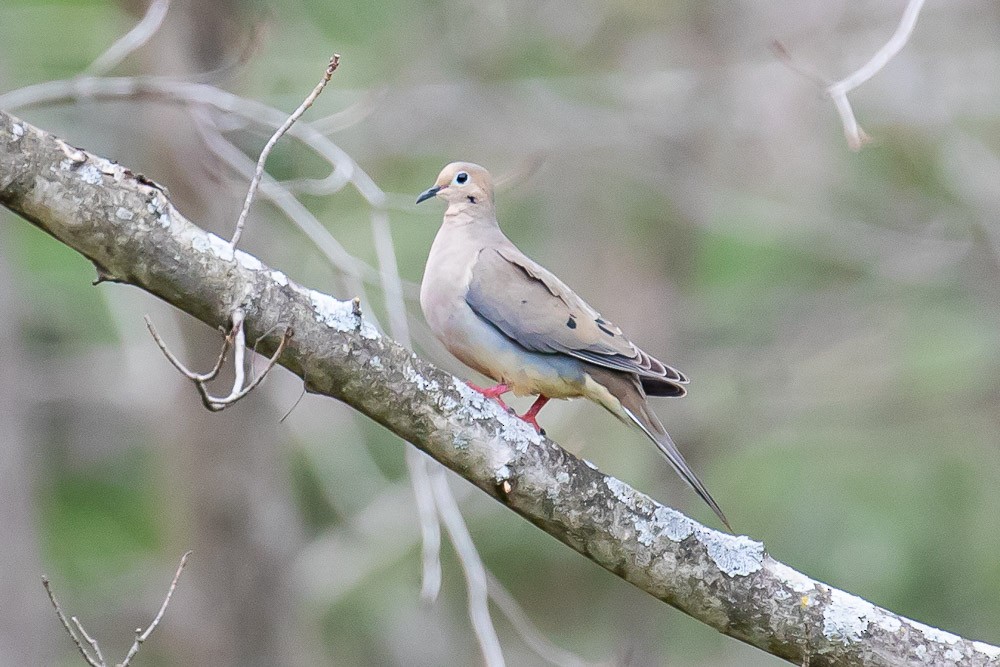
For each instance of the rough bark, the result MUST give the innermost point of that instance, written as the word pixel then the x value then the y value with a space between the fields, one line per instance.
pixel 127 227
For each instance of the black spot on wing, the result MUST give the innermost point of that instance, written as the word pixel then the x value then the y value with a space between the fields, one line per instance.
pixel 605 330
pixel 571 322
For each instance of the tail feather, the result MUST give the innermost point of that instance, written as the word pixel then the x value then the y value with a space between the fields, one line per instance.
pixel 628 393
pixel 651 426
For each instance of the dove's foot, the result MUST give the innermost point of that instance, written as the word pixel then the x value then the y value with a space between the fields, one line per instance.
pixel 530 415
pixel 494 392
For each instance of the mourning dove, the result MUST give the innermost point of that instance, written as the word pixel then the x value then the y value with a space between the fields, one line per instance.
pixel 510 319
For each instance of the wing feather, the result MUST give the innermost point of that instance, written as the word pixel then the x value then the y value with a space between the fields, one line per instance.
pixel 539 312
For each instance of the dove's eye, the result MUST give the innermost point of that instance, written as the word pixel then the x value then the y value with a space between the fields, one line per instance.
pixel 461 178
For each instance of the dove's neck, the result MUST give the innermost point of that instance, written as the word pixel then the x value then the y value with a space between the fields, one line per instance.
pixel 456 246
pixel 464 212
pixel 470 230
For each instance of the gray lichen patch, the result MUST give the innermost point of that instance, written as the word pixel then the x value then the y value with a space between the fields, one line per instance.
pixel 340 315
pixel 734 555
pixel 675 525
pixel 90 174
pixel 156 207
pixel 411 375
pixel 791 579
pixel 845 617
pixel 248 261
pixel 208 242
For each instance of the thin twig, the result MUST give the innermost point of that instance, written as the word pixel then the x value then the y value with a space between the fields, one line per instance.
pixel 782 53
pixel 69 628
pixel 132 40
pixel 472 565
pixel 90 640
pixel 884 54
pixel 140 637
pixel 259 171
pixel 522 173
pixel 240 349
pixel 195 377
pixel 391 282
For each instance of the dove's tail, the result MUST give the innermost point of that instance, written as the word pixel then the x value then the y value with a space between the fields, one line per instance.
pixel 628 393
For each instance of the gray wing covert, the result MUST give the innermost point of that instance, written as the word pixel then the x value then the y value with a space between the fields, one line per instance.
pixel 539 312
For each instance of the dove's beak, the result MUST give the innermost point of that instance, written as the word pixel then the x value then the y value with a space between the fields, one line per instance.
pixel 428 193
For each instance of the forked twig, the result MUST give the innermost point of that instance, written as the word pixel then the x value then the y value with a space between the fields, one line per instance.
pixel 837 91
pixel 140 634
pixel 236 339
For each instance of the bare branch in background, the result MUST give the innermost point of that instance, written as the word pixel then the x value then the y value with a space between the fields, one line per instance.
pixel 97 660
pixel 269 146
pixel 287 204
pixel 430 487
pixel 540 644
pixel 132 40
pixel 856 137
pixel 351 115
pixel 838 90
pixel 472 565
pixel 418 466
pixel 344 169
pixel 522 173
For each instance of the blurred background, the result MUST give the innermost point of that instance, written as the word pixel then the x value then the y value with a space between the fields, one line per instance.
pixel 836 311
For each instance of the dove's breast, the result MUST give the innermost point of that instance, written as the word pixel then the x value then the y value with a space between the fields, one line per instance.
pixel 477 343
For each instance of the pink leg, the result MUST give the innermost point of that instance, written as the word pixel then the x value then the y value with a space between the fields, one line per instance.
pixel 529 416
pixel 493 392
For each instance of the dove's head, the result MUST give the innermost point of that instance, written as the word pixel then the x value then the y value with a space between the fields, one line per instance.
pixel 464 186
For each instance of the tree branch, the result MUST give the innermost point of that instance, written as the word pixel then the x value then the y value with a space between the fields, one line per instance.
pixel 127 227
